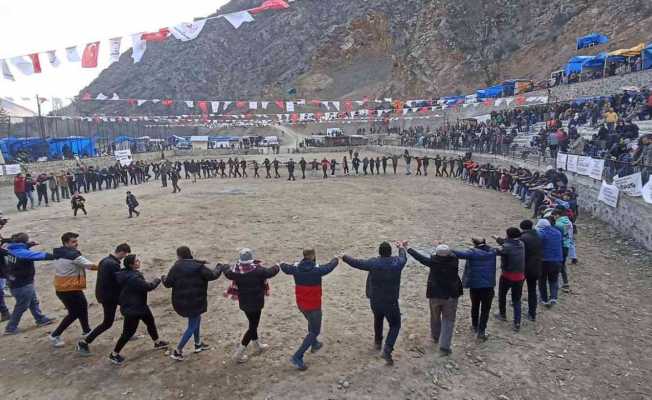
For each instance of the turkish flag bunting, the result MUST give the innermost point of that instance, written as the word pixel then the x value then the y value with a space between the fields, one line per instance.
pixel 89 57
pixel 315 103
pixel 348 106
pixel 280 104
pixel 159 36
pixel 86 96
pixel 488 103
pixel 167 102
pixel 241 104
pixel 269 5
pixel 36 63
pixel 294 117
pixel 132 102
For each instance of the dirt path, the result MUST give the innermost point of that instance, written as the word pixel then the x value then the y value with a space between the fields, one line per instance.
pixel 595 345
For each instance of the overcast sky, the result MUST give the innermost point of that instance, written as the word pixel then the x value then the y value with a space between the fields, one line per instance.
pixel 37 26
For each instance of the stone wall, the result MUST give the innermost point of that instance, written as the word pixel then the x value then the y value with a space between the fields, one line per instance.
pixel 632 218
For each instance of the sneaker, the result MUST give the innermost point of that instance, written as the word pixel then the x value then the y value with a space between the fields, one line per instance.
pixel 574 261
pixel 45 322
pixel 531 318
pixel 201 347
pixel 160 345
pixel 83 348
pixel 565 288
pixel 177 355
pixel 378 346
pixel 516 327
pixel 85 335
pixel 56 341
pixel 445 352
pixel 387 356
pixel 316 347
pixel 483 337
pixel 259 348
pixel 298 364
pixel 553 302
pixel 116 359
pixel 500 317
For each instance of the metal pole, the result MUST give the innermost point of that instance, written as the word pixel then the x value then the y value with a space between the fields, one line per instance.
pixel 40 117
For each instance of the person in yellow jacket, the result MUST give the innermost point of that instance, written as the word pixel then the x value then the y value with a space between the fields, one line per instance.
pixel 69 283
pixel 611 117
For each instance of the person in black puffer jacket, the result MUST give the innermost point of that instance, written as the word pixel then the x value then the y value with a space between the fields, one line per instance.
pixel 533 263
pixel 189 279
pixel 444 289
pixel 133 306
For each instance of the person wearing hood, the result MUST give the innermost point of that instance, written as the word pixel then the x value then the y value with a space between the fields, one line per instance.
pixel 443 291
pixel 512 265
pixel 480 278
pixel 307 278
pixel 565 226
pixel 133 306
pixel 383 290
pixel 249 287
pixel 551 243
pixel 69 284
pixel 107 293
pixel 189 279
pixel 20 271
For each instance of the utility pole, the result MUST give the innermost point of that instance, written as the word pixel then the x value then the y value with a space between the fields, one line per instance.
pixel 40 117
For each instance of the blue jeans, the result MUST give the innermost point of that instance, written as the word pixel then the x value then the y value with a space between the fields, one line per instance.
pixel 191 330
pixel 3 305
pixel 25 299
pixel 314 329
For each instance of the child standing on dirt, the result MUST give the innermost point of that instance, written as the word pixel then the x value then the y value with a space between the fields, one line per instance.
pixel 132 203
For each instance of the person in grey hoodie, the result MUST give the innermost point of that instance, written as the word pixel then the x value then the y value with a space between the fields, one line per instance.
pixel 512 254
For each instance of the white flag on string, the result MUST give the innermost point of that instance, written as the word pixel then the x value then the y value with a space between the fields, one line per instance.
pixel 190 103
pixel 253 105
pixel 114 49
pixel 6 72
pixel 215 106
pixel 72 54
pixel 53 58
pixel 23 65
pixel 336 104
pixel 140 102
pixel 138 47
pixel 238 18
pixel 264 104
pixel 101 96
pixel 115 97
pixel 187 31
pixel 289 106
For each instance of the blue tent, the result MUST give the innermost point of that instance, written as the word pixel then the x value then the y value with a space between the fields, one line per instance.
pixel 27 149
pixel 591 39
pixel 598 61
pixel 575 64
pixel 490 92
pixel 122 139
pixel 75 145
pixel 647 57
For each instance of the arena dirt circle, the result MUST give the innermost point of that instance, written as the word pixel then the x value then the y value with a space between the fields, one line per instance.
pixel 595 344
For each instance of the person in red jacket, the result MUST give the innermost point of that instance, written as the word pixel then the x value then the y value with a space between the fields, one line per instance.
pixel 19 191
pixel 324 167
pixel 307 278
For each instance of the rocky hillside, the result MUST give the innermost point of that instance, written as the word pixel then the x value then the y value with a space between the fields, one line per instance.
pixel 343 48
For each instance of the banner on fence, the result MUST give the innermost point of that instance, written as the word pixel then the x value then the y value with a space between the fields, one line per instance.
pixel 631 185
pixel 561 160
pixel 647 192
pixel 597 167
pixel 571 162
pixel 123 156
pixel 609 194
pixel 583 165
pixel 13 169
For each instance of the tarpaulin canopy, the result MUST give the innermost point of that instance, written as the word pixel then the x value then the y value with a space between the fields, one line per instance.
pixel 453 100
pixel 633 52
pixel 591 39
pixel 598 61
pixel 647 56
pixel 77 146
pixel 121 139
pixel 575 64
pixel 23 149
pixel 490 92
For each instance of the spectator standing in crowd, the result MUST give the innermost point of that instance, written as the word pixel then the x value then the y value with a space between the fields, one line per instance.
pixel 189 279
pixel 54 188
pixel 443 291
pixel 383 289
pixel 308 291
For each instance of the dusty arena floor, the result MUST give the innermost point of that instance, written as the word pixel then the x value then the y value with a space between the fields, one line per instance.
pixel 595 345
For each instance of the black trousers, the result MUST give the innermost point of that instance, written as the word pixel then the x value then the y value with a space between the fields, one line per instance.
pixel 532 296
pixel 481 307
pixel 77 307
pixel 391 313
pixel 504 286
pixel 42 192
pixel 130 326
pixel 83 208
pixel 109 316
pixel 132 210
pixel 252 333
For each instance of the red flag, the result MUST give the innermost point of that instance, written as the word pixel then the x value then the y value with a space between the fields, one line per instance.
pixel 488 102
pixel 280 104
pixel 269 5
pixel 241 104
pixel 132 102
pixel 159 36
pixel 203 106
pixel 348 106
pixel 89 57
pixel 318 116
pixel 315 103
pixel 86 96
pixel 167 102
pixel 294 117
pixel 36 63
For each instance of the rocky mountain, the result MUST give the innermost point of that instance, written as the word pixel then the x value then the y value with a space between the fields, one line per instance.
pixel 350 48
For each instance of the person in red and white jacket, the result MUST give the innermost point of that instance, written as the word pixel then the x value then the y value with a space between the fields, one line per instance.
pixel 307 278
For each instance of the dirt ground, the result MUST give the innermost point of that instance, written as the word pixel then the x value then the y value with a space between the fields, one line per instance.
pixel 595 345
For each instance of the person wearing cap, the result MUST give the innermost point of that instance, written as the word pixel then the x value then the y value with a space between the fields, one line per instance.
pixel 132 203
pixel 307 278
pixel 512 265
pixel 565 226
pixel 480 278
pixel 249 288
pixel 551 243
pixel 443 291
pixel 383 288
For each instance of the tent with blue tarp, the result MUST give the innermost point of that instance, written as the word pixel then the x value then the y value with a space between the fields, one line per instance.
pixel 598 61
pixel 490 92
pixel 591 39
pixel 576 64
pixel 23 149
pixel 122 139
pixel 453 100
pixel 71 146
pixel 647 56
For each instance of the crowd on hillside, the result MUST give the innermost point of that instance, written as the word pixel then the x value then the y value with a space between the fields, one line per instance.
pixel 534 254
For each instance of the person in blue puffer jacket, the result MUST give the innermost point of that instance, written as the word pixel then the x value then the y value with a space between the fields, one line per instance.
pixel 551 240
pixel 480 278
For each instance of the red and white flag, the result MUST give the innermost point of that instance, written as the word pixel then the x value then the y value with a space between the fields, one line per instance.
pixel 159 36
pixel 72 54
pixel 238 18
pixel 89 57
pixel 114 49
pixel 138 47
pixel 53 58
pixel 269 5
pixel 188 31
pixel 29 66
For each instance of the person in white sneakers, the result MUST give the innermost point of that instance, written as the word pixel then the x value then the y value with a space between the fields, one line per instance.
pixel 249 288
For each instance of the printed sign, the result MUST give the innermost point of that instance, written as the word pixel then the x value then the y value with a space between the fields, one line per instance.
pixel 583 165
pixel 13 169
pixel 631 185
pixel 609 194
pixel 571 162
pixel 124 156
pixel 561 160
pixel 647 192
pixel 597 167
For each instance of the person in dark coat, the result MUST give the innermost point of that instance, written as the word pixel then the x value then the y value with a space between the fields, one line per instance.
pixel 249 287
pixel 444 289
pixel 533 259
pixel 512 265
pixel 133 306
pixel 132 203
pixel 107 293
pixel 480 278
pixel 189 279
pixel 307 278
pixel 383 287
